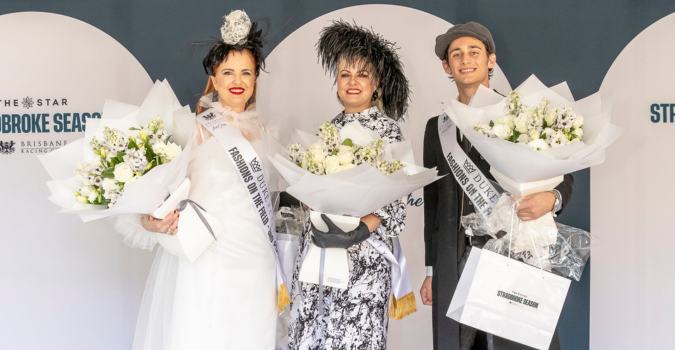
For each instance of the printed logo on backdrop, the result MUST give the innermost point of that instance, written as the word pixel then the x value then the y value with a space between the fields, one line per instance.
pixel 38 118
pixel 48 116
pixel 662 112
pixel 7 147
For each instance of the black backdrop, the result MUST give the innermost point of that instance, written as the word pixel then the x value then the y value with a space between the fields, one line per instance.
pixel 573 41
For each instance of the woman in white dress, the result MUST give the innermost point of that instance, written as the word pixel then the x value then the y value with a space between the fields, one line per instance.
pixel 227 298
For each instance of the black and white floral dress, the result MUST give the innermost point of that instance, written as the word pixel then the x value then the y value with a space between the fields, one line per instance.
pixel 355 318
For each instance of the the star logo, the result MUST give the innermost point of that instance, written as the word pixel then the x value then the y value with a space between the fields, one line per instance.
pixel 27 102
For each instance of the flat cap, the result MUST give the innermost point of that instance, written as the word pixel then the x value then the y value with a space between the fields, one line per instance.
pixel 472 29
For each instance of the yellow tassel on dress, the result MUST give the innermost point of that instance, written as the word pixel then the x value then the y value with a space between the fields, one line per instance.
pixel 402 307
pixel 284 299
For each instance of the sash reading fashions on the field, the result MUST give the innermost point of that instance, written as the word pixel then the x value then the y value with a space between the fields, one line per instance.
pixel 250 170
pixel 474 183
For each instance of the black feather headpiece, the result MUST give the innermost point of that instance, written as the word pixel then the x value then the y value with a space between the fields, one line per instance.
pixel 358 45
pixel 253 41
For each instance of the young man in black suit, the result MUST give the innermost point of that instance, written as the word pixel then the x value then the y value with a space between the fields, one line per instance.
pixel 467 52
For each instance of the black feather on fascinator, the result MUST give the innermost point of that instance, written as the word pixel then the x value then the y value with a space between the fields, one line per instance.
pixel 238 33
pixel 358 45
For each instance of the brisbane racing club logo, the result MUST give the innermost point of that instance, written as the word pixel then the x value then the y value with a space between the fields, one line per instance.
pixel 7 147
pixel 209 116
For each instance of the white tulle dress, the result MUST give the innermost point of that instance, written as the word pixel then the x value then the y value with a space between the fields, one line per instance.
pixel 227 298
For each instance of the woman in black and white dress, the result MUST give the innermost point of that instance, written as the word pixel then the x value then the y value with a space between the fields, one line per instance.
pixel 374 91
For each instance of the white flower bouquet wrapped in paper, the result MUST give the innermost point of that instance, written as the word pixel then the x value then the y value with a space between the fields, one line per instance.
pixel 327 174
pixel 127 162
pixel 515 163
pixel 530 149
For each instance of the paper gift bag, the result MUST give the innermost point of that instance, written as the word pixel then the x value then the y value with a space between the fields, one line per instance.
pixel 509 299
pixel 336 260
pixel 193 237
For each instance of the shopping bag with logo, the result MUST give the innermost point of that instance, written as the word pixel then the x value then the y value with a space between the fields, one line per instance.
pixel 509 299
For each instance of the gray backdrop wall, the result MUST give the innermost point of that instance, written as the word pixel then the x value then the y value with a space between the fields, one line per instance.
pixel 573 41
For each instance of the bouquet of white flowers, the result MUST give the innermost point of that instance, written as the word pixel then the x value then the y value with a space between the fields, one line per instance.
pixel 540 127
pixel 120 160
pixel 332 155
pixel 116 173
pixel 328 171
pixel 564 140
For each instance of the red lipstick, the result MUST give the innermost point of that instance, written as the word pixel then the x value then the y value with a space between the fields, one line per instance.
pixel 237 91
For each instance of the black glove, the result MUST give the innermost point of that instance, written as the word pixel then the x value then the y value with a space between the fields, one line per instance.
pixel 336 238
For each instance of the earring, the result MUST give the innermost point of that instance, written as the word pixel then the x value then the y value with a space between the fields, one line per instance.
pixel 375 95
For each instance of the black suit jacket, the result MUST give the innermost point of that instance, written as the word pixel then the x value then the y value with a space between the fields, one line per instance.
pixel 444 244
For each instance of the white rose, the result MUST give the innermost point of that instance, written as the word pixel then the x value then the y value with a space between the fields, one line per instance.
pixel 332 164
pixel 578 132
pixel 86 190
pixel 123 172
pixel 523 138
pixel 508 120
pixel 345 155
pixel 502 131
pixel 172 151
pixel 316 147
pixel 160 149
pixel 521 123
pixel 109 185
pixel 538 144
pixel 578 122
pixel 317 155
pixel 574 141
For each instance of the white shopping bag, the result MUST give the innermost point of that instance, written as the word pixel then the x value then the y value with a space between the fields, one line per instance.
pixel 336 260
pixel 193 237
pixel 509 299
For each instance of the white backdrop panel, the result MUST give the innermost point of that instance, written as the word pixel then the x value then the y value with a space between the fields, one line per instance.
pixel 631 201
pixel 65 284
